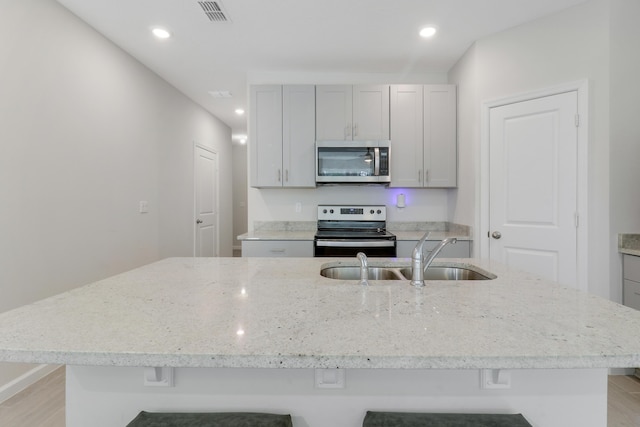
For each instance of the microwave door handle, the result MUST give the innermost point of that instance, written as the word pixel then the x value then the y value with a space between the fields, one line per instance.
pixel 376 160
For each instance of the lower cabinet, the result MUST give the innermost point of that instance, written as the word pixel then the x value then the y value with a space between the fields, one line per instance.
pixel 277 248
pixel 461 249
pixel 631 275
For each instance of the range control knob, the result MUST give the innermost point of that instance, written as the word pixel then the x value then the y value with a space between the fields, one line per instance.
pixel 331 211
pixel 379 211
pixel 372 211
pixel 324 211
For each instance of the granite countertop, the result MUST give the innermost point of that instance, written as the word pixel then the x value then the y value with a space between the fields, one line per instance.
pixel 629 244
pixel 280 313
pixel 306 230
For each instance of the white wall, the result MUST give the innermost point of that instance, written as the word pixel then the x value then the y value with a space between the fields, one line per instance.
pixel 565 47
pixel 279 204
pixel 86 132
pixel 625 132
pixel 240 176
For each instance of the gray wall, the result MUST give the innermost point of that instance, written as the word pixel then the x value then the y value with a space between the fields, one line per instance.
pixel 572 45
pixel 86 132
pixel 240 174
pixel 625 131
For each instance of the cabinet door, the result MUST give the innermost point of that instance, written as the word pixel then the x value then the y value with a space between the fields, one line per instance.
pixel 334 112
pixel 277 248
pixel 440 140
pixel 371 112
pixel 406 136
pixel 298 139
pixel 265 136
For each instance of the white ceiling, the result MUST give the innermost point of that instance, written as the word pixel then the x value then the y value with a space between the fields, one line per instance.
pixel 298 36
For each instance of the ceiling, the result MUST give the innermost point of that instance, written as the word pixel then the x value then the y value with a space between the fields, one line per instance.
pixel 341 37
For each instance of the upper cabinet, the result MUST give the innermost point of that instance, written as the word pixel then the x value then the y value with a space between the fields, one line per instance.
pixel 345 112
pixel 423 136
pixel 282 135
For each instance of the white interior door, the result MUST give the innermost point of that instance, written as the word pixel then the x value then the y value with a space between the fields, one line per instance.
pixel 533 186
pixel 206 193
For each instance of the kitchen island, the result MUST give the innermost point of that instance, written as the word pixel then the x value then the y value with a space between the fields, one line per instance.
pixel 271 334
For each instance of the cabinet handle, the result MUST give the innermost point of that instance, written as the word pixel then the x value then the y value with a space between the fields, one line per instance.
pixel 355 129
pixel 286 175
pixel 426 176
pixel 277 251
pixel 420 176
pixel 347 129
pixel 279 175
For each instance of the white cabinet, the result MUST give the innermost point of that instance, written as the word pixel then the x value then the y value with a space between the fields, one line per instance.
pixel 631 275
pixel 282 135
pixel 277 248
pixel 461 249
pixel 406 135
pixel 345 112
pixel 423 136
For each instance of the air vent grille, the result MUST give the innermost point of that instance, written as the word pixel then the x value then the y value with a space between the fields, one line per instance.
pixel 214 11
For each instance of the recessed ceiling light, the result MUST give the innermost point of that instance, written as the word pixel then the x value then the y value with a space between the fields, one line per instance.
pixel 427 32
pixel 161 33
pixel 239 111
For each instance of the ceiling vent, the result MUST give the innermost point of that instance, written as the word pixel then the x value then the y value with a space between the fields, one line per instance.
pixel 214 11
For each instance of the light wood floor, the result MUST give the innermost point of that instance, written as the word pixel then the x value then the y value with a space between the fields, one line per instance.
pixel 42 405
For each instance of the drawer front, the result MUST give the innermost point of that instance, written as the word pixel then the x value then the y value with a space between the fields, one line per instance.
pixel 632 294
pixel 631 267
pixel 277 248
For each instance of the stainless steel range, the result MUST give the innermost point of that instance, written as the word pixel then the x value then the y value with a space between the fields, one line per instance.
pixel 343 231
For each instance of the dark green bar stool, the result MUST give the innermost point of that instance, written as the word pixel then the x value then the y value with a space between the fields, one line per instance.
pixel 215 419
pixel 409 419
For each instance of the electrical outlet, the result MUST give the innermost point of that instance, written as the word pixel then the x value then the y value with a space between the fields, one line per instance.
pixel 495 379
pixel 143 206
pixel 330 378
pixel 298 207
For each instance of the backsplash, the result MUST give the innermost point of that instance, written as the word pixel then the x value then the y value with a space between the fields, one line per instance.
pixel 393 226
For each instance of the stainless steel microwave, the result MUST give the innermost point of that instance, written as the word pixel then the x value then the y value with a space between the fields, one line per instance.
pixel 353 162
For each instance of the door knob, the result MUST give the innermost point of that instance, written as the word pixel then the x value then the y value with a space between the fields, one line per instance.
pixel 199 221
pixel 496 235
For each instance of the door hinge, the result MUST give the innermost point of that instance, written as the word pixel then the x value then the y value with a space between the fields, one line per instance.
pixel 577 120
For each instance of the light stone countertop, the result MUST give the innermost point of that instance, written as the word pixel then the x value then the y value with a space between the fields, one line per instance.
pixel 306 230
pixel 629 244
pixel 280 313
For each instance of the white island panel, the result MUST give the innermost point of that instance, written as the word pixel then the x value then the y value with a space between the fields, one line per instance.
pixel 107 397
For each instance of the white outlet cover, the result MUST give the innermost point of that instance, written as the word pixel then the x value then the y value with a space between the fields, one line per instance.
pixel 330 378
pixel 495 379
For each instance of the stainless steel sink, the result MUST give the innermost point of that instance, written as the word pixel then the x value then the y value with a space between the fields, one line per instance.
pixel 434 272
pixel 353 273
pixel 448 273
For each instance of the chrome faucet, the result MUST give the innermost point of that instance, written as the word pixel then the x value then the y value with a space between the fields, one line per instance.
pixel 420 262
pixel 364 268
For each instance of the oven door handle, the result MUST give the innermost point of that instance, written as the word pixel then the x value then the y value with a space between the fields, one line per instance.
pixel 355 243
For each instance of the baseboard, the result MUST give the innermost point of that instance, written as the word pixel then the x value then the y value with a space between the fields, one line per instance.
pixel 25 380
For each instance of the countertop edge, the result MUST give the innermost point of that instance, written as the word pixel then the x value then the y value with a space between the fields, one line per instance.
pixel 320 362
